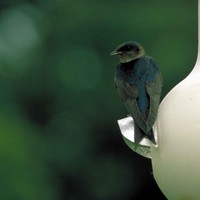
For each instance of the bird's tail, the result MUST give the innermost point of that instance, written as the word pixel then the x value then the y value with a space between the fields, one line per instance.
pixel 140 134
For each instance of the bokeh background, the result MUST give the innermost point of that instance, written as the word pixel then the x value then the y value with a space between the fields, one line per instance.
pixel 59 138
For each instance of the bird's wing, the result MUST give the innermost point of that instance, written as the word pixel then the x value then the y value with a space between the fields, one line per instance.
pixel 125 90
pixel 129 95
pixel 132 107
pixel 153 89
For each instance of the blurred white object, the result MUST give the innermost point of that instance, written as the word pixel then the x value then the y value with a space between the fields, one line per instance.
pixel 176 157
pixel 176 161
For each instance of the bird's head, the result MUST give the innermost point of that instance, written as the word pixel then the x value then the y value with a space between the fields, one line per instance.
pixel 128 51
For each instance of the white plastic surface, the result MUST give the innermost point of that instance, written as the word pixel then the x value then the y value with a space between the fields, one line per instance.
pixel 176 161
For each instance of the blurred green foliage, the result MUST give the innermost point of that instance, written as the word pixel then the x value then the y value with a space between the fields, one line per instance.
pixel 58 133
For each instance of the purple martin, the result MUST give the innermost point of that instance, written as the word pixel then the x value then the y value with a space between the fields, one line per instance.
pixel 139 83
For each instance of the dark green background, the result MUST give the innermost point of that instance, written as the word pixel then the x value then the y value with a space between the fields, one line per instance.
pixel 59 138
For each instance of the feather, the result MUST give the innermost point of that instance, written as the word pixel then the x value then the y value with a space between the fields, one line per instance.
pixel 139 83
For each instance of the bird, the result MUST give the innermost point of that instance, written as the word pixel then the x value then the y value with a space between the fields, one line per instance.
pixel 139 83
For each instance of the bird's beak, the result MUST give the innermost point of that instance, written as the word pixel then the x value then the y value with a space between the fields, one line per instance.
pixel 115 52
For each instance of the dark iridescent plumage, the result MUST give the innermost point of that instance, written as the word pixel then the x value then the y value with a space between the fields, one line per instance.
pixel 139 84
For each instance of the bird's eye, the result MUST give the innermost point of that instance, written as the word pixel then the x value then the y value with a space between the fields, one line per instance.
pixel 128 47
pixel 137 49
